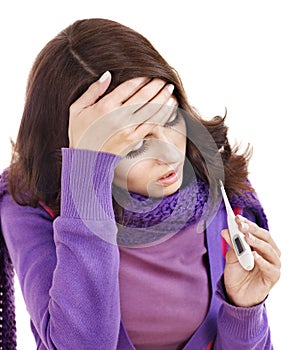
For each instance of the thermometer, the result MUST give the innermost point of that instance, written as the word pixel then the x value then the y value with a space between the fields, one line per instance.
pixel 241 247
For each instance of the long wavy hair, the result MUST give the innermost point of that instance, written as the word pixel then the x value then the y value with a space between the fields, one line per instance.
pixel 62 71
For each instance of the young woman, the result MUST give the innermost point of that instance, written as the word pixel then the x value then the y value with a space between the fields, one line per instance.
pixel 111 213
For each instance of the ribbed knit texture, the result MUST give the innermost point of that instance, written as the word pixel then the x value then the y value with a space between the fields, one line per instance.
pixel 78 179
pixel 246 324
pixel 72 291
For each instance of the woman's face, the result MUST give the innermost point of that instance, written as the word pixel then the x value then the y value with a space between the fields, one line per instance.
pixel 154 167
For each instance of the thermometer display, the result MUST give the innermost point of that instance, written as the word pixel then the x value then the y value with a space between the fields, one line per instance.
pixel 241 247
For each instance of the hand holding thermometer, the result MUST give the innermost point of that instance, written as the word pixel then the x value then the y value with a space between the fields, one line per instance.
pixel 241 247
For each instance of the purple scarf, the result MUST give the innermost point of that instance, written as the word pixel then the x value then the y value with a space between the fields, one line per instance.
pixel 7 306
pixel 146 220
pixel 143 220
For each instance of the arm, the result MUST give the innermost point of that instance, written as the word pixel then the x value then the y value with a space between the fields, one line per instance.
pixel 68 273
pixel 69 270
pixel 241 328
pixel 242 319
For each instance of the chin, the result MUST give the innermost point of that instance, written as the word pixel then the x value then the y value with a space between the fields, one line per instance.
pixel 161 191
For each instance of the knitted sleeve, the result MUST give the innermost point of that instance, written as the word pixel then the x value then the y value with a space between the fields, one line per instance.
pixel 241 328
pixel 68 269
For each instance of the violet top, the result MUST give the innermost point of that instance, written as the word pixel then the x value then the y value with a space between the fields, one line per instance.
pixel 164 290
pixel 83 292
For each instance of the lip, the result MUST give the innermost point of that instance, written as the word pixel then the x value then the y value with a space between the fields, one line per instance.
pixel 170 177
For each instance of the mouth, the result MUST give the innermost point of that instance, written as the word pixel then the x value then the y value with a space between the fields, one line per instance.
pixel 170 177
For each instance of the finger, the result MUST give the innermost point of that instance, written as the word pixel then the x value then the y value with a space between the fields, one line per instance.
pixel 265 249
pixel 226 236
pixel 246 226
pixel 148 100
pixel 121 93
pixel 133 95
pixel 91 95
pixel 154 114
pixel 271 272
pixel 157 97
pixel 164 95
pixel 147 93
pixel 126 90
pixel 231 257
pixel 156 91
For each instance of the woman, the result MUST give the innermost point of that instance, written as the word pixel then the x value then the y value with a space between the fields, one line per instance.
pixel 110 209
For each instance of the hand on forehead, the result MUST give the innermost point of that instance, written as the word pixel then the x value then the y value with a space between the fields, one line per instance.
pixel 123 116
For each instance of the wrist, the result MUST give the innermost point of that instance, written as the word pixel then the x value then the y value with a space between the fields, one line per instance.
pixel 227 298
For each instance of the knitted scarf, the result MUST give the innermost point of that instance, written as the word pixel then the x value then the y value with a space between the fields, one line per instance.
pixel 7 305
pixel 145 220
pixel 142 221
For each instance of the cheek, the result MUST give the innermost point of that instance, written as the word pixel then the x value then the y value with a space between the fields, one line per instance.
pixel 179 138
pixel 120 174
pixel 181 141
pixel 129 172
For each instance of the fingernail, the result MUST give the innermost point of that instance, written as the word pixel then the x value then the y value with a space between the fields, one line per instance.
pixel 241 218
pixel 244 225
pixel 170 88
pixel 104 77
pixel 170 101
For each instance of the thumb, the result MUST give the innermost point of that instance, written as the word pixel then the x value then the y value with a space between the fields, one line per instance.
pixel 91 95
pixel 225 235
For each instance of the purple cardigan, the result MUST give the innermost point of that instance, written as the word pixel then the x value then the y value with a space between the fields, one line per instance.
pixel 69 274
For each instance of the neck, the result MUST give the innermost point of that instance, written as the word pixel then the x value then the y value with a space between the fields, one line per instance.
pixel 141 219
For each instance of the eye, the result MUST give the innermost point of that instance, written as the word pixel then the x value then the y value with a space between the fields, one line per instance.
pixel 173 120
pixel 138 149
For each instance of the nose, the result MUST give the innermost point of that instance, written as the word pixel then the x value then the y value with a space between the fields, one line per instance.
pixel 167 151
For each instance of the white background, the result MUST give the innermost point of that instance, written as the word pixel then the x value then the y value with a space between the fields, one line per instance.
pixel 238 54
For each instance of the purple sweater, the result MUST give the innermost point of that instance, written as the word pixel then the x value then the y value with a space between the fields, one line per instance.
pixel 69 274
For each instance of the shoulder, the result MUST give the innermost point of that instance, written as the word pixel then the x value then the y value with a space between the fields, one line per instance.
pixel 11 211
pixel 8 204
pixel 251 208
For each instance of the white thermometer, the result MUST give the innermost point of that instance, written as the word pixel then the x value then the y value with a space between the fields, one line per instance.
pixel 241 247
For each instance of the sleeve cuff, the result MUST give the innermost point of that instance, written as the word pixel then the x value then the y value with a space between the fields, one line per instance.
pixel 86 184
pixel 240 322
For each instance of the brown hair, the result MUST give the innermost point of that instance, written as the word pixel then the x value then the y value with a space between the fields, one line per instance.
pixel 62 71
